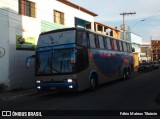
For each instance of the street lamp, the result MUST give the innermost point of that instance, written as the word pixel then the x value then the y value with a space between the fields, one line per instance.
pixel 137 23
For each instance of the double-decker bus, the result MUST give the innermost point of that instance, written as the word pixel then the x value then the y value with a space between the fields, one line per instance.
pixel 75 59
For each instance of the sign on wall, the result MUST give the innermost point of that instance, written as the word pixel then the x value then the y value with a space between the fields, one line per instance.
pixel 25 43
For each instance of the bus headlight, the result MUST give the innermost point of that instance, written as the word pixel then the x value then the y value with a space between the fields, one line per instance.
pixel 38 81
pixel 38 87
pixel 71 86
pixel 69 80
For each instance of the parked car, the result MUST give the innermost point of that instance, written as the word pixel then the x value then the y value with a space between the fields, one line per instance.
pixel 155 65
pixel 144 66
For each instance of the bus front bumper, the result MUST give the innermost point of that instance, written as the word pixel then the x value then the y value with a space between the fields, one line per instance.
pixel 57 86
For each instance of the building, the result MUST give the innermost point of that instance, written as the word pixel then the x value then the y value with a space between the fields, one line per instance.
pixel 136 41
pixel 105 29
pixel 155 52
pixel 21 21
pixel 145 54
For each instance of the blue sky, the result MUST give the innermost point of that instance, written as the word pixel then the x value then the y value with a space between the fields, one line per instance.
pixel 109 13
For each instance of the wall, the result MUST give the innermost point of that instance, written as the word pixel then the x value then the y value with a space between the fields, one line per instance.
pixel 69 14
pixel 4 41
pixel 136 39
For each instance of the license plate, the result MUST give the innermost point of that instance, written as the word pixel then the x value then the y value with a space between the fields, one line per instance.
pixel 52 88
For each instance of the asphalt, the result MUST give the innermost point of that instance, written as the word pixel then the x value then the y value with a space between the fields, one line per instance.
pixel 14 94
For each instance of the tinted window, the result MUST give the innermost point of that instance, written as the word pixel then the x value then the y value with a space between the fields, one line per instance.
pixel 81 38
pixel 112 44
pixel 101 42
pixel 127 46
pixel 96 41
pixel 105 42
pixel 120 46
pixel 109 43
pixel 130 48
pixel 92 40
pixel 115 45
pixel 124 46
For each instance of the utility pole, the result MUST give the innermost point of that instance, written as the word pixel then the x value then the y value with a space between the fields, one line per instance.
pixel 123 26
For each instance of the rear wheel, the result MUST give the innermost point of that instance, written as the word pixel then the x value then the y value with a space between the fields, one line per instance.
pixel 126 74
pixel 93 83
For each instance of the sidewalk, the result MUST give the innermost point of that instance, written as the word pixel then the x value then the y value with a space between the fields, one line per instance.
pixel 11 95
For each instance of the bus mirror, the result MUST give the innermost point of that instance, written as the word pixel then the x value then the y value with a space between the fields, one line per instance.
pixel 73 58
pixel 28 59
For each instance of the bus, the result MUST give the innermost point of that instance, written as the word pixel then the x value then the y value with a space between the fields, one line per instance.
pixel 75 59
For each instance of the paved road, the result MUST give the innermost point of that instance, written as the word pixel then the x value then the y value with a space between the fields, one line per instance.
pixel 138 93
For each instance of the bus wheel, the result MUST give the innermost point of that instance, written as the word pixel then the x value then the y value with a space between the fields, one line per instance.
pixel 126 74
pixel 93 83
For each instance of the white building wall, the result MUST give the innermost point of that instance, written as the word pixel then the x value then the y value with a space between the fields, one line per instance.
pixel 4 41
pixel 12 64
pixel 136 38
pixel 69 12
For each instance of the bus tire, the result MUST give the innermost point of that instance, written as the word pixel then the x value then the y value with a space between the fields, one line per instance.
pixel 93 82
pixel 126 74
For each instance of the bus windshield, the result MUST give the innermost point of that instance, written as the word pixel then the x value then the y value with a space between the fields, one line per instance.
pixel 55 62
pixel 57 38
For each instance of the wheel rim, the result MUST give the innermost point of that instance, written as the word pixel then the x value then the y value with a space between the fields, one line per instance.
pixel 93 83
pixel 126 75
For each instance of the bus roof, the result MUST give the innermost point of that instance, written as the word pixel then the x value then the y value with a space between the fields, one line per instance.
pixel 75 28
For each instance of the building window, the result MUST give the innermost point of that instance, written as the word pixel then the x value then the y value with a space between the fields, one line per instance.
pixel 27 8
pixel 58 17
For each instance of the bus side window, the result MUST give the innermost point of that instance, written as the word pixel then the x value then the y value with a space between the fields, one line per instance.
pixel 92 40
pixel 108 43
pixel 112 44
pixel 120 46
pixel 129 47
pixel 115 44
pixel 81 38
pixel 101 42
pixel 124 46
pixel 96 41
pixel 87 36
pixel 105 42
